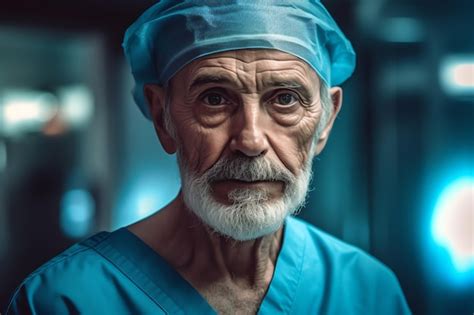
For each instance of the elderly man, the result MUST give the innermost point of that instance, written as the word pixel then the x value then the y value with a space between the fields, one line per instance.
pixel 245 93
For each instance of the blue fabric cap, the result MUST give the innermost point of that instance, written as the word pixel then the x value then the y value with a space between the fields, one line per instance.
pixel 172 33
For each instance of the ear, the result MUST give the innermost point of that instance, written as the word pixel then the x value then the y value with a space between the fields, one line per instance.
pixel 156 97
pixel 336 99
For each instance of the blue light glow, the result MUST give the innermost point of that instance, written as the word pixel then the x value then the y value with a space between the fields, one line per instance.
pixel 77 213
pixel 143 196
pixel 452 225
pixel 402 30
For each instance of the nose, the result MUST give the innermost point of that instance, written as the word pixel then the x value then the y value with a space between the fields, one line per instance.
pixel 249 136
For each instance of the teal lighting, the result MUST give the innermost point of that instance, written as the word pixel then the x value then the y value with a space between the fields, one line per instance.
pixel 402 30
pixel 3 156
pixel 452 225
pixel 77 213
pixel 143 196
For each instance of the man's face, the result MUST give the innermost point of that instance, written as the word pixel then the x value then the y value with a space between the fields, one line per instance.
pixel 244 125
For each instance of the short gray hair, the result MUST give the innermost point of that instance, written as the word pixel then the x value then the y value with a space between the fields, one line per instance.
pixel 326 104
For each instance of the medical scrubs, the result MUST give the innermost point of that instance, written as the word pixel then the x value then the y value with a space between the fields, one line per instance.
pixel 117 273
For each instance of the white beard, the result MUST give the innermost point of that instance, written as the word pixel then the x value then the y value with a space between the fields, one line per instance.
pixel 252 214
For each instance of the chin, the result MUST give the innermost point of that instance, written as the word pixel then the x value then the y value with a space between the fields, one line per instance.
pixel 244 220
pixel 253 211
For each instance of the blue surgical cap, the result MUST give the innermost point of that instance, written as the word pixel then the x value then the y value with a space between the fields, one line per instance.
pixel 172 33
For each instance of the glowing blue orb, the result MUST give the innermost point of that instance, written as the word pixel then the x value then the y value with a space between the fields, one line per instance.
pixel 452 225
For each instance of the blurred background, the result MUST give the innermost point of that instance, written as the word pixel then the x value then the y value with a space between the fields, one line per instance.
pixel 396 179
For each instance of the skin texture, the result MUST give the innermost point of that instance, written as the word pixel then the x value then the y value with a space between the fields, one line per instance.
pixel 244 102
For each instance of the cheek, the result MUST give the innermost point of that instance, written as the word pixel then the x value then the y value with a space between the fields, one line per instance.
pixel 293 144
pixel 203 134
pixel 202 146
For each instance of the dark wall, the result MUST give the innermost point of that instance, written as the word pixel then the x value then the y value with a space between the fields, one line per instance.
pixel 396 131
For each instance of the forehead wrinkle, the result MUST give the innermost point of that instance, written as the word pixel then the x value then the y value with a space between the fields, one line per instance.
pixel 296 66
pixel 213 74
pixel 293 67
pixel 238 79
pixel 244 71
pixel 250 55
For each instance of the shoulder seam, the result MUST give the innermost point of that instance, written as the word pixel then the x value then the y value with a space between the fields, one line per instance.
pixel 96 239
pixel 38 271
pixel 50 264
pixel 99 252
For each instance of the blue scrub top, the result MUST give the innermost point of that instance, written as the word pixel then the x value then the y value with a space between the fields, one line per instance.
pixel 117 273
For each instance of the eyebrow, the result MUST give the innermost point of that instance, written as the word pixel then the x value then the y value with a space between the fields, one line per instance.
pixel 290 84
pixel 210 79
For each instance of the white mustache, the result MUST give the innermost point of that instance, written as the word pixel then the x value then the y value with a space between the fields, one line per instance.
pixel 248 169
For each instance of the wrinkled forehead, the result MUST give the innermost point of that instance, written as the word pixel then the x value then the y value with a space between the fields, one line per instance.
pixel 248 65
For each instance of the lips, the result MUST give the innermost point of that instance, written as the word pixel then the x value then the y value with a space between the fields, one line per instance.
pixel 232 184
pixel 245 181
pixel 240 182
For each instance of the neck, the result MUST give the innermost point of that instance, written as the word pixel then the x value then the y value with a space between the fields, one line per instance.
pixel 203 256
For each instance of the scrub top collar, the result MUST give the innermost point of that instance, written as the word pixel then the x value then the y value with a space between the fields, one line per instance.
pixel 173 294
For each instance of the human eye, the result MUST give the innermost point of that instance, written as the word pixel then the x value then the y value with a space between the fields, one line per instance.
pixel 214 98
pixel 215 105
pixel 285 99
